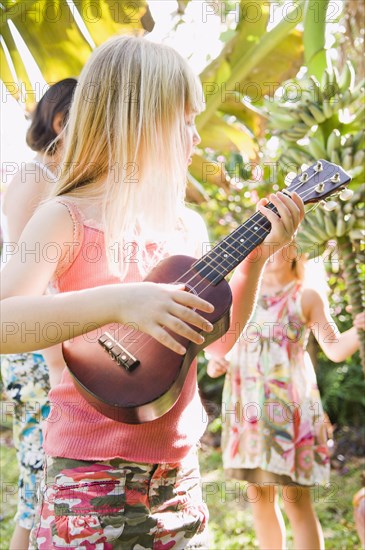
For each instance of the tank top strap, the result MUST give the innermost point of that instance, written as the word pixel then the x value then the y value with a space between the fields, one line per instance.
pixel 78 236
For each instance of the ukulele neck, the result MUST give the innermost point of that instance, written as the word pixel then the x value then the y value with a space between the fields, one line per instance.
pixel 228 253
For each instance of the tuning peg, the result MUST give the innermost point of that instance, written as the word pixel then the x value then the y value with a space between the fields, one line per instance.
pixel 346 194
pixel 336 177
pixel 303 177
pixel 329 205
pixel 319 188
pixel 289 178
pixel 318 167
pixel 304 167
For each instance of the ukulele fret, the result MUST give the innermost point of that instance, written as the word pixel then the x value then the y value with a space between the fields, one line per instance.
pixel 117 352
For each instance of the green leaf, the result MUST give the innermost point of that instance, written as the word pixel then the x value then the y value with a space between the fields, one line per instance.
pixel 104 18
pixel 6 74
pixel 224 137
pixel 245 113
pixel 208 172
pixel 21 71
pixel 54 38
pixel 254 18
pixel 245 64
pixel 314 37
pixel 280 64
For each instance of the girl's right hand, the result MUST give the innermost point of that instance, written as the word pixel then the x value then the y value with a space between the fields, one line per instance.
pixel 156 307
pixel 217 366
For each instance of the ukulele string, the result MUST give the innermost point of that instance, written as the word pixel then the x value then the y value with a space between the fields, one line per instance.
pixel 235 241
pixel 307 193
pixel 196 274
pixel 146 338
pixel 252 219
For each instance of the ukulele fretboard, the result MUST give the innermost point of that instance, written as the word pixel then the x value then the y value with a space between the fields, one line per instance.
pixel 227 254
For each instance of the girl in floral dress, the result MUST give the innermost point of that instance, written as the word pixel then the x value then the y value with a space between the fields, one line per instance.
pixel 274 430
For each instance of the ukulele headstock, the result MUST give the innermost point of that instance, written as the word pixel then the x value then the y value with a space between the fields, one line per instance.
pixel 321 180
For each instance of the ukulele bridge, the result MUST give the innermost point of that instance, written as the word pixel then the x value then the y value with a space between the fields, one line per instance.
pixel 117 352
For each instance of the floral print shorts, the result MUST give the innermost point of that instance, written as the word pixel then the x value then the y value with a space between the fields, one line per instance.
pixel 26 386
pixel 120 505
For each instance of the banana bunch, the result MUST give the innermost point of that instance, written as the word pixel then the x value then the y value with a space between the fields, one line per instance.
pixel 320 225
pixel 348 152
pixel 295 156
pixel 306 103
pixel 283 120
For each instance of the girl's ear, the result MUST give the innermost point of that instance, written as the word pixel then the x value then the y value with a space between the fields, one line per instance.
pixel 57 124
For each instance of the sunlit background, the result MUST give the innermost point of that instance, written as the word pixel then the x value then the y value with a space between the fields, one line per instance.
pixel 200 40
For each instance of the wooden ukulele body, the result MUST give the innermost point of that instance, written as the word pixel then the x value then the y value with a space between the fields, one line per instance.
pixel 150 389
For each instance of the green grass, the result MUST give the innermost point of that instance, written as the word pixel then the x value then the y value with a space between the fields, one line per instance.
pixel 230 515
pixel 231 519
pixel 9 477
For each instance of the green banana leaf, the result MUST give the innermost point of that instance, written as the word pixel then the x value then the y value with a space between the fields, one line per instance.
pixel 113 17
pixel 314 37
pixel 228 136
pixel 249 115
pixel 53 37
pixel 253 62
pixel 240 63
pixel 208 172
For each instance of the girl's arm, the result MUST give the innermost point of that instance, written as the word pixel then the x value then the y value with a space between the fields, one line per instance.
pixel 335 345
pixel 31 321
pixel 245 281
pixel 22 197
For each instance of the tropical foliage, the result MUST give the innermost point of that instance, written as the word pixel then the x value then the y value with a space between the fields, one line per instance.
pixel 270 82
pixel 324 120
pixel 58 42
pixel 274 101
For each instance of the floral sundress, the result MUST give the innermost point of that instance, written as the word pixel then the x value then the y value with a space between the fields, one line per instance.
pixel 273 425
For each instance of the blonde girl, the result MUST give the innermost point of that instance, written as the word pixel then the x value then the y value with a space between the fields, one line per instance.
pixel 274 431
pixel 130 138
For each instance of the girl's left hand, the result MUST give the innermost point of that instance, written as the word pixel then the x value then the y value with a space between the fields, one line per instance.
pixel 284 226
pixel 359 321
pixel 217 366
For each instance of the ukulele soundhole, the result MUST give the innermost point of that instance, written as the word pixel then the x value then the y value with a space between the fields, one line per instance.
pixel 117 352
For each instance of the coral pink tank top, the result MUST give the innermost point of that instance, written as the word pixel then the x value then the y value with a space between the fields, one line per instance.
pixel 76 430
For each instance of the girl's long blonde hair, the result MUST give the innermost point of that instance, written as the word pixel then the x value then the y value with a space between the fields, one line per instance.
pixel 126 139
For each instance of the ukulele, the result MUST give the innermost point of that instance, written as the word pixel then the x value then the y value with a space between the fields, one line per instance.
pixel 130 377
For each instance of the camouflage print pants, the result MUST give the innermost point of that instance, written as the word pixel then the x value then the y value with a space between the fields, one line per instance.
pixel 120 505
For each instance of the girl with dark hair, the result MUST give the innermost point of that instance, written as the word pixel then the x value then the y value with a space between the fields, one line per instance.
pixel 25 376
pixel 34 179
